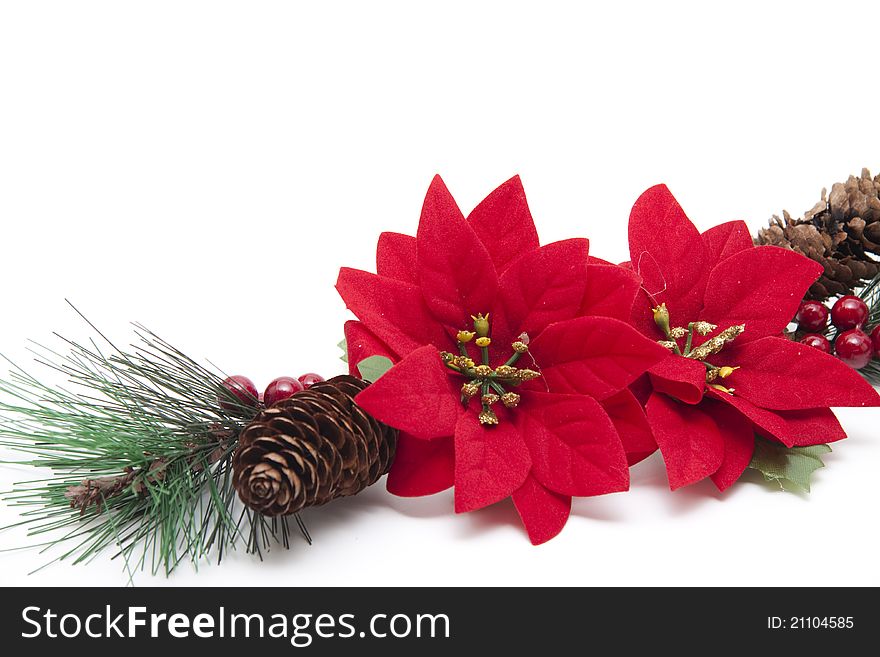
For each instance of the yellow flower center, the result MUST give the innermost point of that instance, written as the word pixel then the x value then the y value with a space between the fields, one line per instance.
pixel 710 347
pixel 489 383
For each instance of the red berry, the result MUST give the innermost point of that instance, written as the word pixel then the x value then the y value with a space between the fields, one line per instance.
pixel 849 312
pixel 242 389
pixel 812 316
pixel 875 338
pixel 281 388
pixel 820 342
pixel 854 348
pixel 310 379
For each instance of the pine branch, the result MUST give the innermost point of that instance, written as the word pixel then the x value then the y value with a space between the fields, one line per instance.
pixel 870 294
pixel 139 448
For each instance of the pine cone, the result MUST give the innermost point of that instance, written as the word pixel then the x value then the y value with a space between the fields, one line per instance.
pixel 311 448
pixel 841 232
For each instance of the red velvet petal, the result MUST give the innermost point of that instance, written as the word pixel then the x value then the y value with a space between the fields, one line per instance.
pixel 392 310
pixel 456 274
pixel 396 257
pixel 416 396
pixel 574 446
pixel 642 318
pixel 812 426
pixel 739 443
pixel 544 286
pixel 760 287
pixel 504 224
pixel 611 291
pixel 596 356
pixel 632 425
pixel 689 440
pixel 543 512
pixel 361 343
pixel 679 377
pixel 668 253
pixel 421 467
pixel 490 462
pixel 780 374
pixel 724 240
pixel 642 388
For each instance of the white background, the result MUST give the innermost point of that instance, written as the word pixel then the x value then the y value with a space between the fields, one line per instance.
pixel 206 168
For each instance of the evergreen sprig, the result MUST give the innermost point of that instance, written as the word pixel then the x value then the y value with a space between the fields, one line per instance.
pixel 139 449
pixel 870 294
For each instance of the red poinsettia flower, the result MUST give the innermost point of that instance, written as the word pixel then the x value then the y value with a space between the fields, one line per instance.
pixel 512 360
pixel 720 304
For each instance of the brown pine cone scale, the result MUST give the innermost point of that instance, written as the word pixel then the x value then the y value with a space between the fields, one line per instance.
pixel 841 232
pixel 311 448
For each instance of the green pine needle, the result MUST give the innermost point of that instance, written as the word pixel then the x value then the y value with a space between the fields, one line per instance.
pixel 140 454
pixel 870 294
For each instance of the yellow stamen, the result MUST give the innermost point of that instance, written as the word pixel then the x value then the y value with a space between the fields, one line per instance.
pixel 465 336
pixel 704 328
pixel 510 399
pixel 726 371
pixel 527 375
pixel 488 417
pixel 470 389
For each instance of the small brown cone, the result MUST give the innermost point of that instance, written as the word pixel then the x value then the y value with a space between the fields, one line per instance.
pixel 841 232
pixel 311 448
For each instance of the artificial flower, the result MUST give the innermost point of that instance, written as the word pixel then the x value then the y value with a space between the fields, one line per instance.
pixel 512 360
pixel 721 305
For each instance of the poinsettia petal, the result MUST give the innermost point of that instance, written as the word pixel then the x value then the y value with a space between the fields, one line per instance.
pixel 642 388
pixel 360 343
pixel 679 377
pixel 810 426
pixel 760 287
pixel 421 467
pixel 724 240
pixel 416 396
pixel 504 224
pixel 392 310
pixel 543 512
pixel 642 318
pixel 610 291
pixel 688 438
pixel 490 462
pixel 397 257
pixel 573 444
pixel 780 374
pixel 667 251
pixel 456 274
pixel 632 425
pixel 544 286
pixel 739 443
pixel 596 356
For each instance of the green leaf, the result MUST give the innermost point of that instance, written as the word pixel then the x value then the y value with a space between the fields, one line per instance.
pixel 790 467
pixel 374 367
pixel 344 346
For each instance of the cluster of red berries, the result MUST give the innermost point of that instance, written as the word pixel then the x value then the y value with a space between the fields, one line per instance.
pixel 852 344
pixel 244 390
